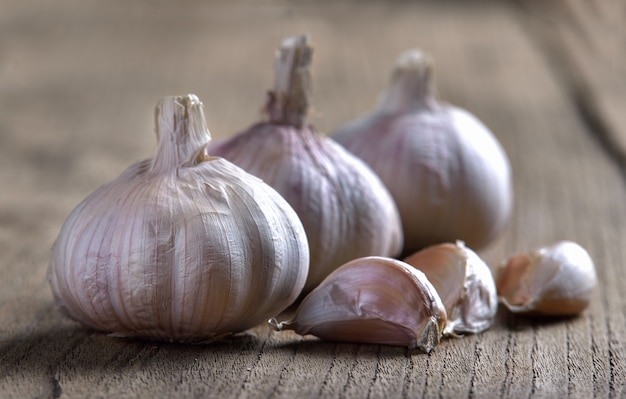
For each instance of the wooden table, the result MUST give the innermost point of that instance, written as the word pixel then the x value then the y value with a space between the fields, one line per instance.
pixel 78 84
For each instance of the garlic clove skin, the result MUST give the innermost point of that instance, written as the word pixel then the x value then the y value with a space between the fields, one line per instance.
pixel 557 280
pixel 372 300
pixel 179 247
pixel 346 210
pixel 464 283
pixel 448 174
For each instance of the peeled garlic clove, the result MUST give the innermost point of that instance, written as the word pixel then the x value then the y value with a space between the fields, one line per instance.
pixel 346 210
pixel 372 300
pixel 179 247
pixel 555 280
pixel 464 283
pixel 447 173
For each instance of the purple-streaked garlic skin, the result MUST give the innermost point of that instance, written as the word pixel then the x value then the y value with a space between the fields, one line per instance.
pixel 179 247
pixel 464 283
pixel 372 300
pixel 556 280
pixel 346 210
pixel 448 174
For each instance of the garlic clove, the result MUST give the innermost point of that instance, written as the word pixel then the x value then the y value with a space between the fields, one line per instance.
pixel 558 280
pixel 344 206
pixel 464 283
pixel 447 172
pixel 179 247
pixel 373 300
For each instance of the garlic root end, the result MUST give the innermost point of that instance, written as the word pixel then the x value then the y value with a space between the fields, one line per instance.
pixel 279 325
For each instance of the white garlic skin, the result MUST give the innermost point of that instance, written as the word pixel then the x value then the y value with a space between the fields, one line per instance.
pixel 179 247
pixel 346 211
pixel 557 280
pixel 464 283
pixel 345 208
pixel 372 300
pixel 448 174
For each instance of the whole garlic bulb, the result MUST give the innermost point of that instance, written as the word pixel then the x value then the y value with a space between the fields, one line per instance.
pixel 464 283
pixel 373 300
pixel 558 280
pixel 346 210
pixel 448 174
pixel 179 247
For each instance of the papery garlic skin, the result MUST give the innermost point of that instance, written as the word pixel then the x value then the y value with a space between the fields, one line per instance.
pixel 345 208
pixel 373 300
pixel 179 247
pixel 464 283
pixel 558 280
pixel 448 174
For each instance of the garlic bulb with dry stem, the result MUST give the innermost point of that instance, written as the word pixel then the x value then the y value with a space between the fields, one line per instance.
pixel 558 280
pixel 464 283
pixel 372 300
pixel 448 174
pixel 179 247
pixel 346 210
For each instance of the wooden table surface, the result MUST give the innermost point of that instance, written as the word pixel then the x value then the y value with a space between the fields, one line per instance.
pixel 78 84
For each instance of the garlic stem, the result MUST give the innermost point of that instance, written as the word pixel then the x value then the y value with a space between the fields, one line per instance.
pixel 412 84
pixel 181 130
pixel 289 102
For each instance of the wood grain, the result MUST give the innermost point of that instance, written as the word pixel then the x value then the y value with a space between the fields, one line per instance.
pixel 586 44
pixel 78 83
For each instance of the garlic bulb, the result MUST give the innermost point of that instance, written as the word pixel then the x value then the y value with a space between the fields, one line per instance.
pixel 346 210
pixel 372 300
pixel 448 174
pixel 464 283
pixel 555 280
pixel 179 247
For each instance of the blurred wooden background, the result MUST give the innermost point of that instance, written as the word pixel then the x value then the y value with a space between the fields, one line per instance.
pixel 78 85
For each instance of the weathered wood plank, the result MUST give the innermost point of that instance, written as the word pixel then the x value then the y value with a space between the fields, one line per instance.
pixel 586 41
pixel 76 99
